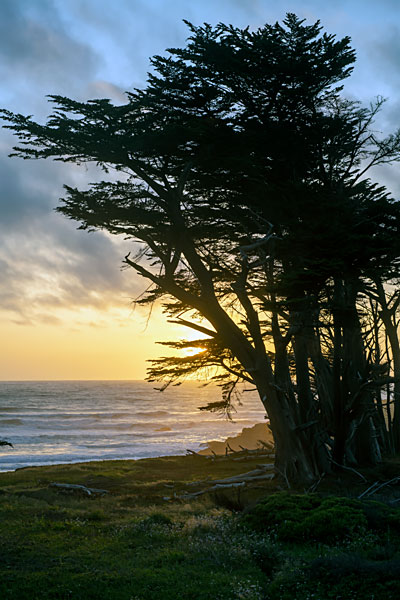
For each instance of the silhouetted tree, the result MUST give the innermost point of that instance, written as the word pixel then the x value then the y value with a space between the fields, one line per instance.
pixel 243 186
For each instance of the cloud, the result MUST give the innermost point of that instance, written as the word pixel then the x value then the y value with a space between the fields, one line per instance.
pixel 104 89
pixel 61 269
pixel 38 53
pixel 46 266
pixel 385 50
pixel 95 49
pixel 27 194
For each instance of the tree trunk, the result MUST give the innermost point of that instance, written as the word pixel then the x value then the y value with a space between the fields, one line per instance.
pixel 302 453
pixel 362 406
pixel 383 430
pixel 323 381
pixel 388 316
pixel 340 420
pixel 353 400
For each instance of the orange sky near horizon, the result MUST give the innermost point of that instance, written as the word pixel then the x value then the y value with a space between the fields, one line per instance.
pixel 87 345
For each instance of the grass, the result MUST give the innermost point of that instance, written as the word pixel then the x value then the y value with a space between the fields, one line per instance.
pixel 133 544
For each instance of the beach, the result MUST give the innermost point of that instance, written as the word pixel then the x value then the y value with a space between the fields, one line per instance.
pixel 76 421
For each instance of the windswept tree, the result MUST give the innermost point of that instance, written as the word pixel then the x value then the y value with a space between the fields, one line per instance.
pixel 244 189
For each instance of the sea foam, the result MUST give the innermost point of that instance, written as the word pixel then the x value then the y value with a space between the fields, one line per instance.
pixel 73 421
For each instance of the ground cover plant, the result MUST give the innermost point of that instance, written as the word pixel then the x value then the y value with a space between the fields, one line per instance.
pixel 133 544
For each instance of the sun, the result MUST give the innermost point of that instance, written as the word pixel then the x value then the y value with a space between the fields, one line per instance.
pixel 192 351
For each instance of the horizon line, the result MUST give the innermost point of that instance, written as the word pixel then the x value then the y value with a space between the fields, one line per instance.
pixel 141 380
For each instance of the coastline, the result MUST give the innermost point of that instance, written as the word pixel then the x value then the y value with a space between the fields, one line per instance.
pixel 250 438
pixel 69 422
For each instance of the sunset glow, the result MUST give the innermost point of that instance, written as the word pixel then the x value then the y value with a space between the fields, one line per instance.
pixel 86 345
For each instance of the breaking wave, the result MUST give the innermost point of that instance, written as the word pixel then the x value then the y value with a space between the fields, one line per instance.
pixel 58 422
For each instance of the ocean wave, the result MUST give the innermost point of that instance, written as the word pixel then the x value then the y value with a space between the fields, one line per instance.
pixel 97 416
pixel 106 446
pixel 58 422
pixel 54 415
pixel 154 413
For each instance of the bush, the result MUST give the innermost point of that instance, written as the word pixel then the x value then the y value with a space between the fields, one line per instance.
pixel 296 517
pixel 278 509
pixel 381 517
pixel 335 518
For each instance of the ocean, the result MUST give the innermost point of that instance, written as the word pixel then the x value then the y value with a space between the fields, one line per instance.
pixel 53 422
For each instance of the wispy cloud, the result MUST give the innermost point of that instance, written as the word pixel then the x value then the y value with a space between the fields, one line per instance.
pixel 98 49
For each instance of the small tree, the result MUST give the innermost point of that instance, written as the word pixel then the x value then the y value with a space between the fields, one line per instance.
pixel 233 156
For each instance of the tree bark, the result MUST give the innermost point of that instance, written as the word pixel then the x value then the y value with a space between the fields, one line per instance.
pixel 388 316
pixel 354 405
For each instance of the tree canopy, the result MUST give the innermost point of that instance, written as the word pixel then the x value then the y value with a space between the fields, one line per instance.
pixel 242 177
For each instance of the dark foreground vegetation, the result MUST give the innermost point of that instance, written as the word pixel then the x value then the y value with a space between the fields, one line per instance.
pixel 260 543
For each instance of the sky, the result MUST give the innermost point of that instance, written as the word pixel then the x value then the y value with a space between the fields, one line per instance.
pixel 66 307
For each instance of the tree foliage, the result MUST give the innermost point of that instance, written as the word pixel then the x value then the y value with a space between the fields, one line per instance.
pixel 241 174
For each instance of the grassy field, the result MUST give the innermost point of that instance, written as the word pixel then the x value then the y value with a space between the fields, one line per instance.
pixel 144 541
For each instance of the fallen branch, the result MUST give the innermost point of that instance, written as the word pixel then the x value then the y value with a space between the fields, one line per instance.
pixel 314 486
pixel 266 445
pixel 237 482
pixel 73 487
pixel 348 469
pixel 371 487
pixel 272 456
pixel 256 450
pixel 375 487
pixel 217 486
pixel 256 474
pixel 246 479
pixel 244 452
pixel 192 452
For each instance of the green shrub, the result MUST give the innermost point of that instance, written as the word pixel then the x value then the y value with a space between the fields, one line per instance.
pixel 335 518
pixel 381 517
pixel 296 517
pixel 279 509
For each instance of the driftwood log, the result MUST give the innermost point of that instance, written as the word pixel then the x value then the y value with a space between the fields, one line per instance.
pixel 237 481
pixel 265 450
pixel 271 456
pixel 74 487
pixel 193 453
